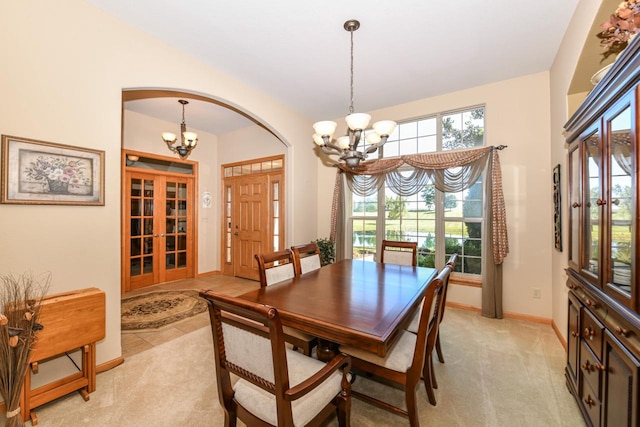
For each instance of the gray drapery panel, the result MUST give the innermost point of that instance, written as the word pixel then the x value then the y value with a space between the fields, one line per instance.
pixel 491 305
pixel 449 171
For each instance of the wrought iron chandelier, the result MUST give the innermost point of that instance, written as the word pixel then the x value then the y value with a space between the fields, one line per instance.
pixel 346 147
pixel 188 140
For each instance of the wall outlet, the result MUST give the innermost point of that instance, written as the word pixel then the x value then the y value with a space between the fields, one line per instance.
pixel 537 293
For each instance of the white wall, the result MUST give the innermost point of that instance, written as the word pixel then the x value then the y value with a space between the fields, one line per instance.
pixel 561 74
pixel 254 142
pixel 142 133
pixel 517 115
pixel 66 64
pixel 248 143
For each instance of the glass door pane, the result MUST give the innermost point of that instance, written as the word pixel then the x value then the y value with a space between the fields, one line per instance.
pixel 575 203
pixel 593 195
pixel 621 202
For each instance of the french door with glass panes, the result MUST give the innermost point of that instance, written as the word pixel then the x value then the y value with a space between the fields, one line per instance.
pixel 159 229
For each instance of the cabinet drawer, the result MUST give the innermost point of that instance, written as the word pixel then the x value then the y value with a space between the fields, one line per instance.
pixel 591 404
pixel 591 332
pixel 591 369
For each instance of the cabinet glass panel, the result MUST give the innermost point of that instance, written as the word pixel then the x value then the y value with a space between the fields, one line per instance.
pixel 620 205
pixel 574 206
pixel 593 196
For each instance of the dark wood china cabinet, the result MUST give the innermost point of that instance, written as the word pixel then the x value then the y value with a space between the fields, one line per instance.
pixel 603 355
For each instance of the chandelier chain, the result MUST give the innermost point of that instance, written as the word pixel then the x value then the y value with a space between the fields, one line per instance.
pixel 346 147
pixel 351 102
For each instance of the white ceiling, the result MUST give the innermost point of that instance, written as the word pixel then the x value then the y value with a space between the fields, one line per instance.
pixel 297 52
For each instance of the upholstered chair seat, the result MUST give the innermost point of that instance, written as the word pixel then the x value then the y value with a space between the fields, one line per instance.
pixel 398 359
pixel 301 367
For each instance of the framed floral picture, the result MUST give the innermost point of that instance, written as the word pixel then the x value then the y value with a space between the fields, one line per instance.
pixel 44 173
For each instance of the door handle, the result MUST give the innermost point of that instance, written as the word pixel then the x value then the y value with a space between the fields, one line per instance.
pixel 236 233
pixel 162 235
pixel 155 235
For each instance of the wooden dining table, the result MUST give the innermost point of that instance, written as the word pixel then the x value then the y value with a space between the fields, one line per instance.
pixel 354 302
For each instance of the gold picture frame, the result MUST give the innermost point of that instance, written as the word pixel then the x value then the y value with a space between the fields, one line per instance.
pixel 45 173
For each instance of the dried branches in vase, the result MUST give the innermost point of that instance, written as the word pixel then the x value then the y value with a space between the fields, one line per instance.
pixel 20 298
pixel 620 28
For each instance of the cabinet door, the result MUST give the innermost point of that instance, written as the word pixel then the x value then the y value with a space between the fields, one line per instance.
pixel 575 206
pixel 573 339
pixel 592 212
pixel 621 379
pixel 619 207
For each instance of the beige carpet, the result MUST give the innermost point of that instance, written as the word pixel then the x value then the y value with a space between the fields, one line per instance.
pixel 497 373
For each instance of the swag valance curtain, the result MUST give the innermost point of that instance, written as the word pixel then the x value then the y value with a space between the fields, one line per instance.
pixel 448 171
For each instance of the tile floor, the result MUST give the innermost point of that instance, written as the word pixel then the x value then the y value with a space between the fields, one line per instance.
pixel 134 342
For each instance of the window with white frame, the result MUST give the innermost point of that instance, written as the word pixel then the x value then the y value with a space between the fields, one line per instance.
pixel 441 223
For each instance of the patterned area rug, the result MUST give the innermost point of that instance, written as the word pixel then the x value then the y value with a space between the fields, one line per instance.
pixel 156 309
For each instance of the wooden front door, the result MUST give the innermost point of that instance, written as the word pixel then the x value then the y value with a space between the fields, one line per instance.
pixel 159 229
pixel 253 219
pixel 251 223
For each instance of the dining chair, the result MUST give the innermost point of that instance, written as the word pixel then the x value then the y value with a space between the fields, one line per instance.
pixel 452 262
pixel 413 324
pixel 306 257
pixel 275 386
pixel 429 373
pixel 403 363
pixel 396 252
pixel 275 267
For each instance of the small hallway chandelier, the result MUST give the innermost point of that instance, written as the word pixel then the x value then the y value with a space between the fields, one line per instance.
pixel 188 140
pixel 346 147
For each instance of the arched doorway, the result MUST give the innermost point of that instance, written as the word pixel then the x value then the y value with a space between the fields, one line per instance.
pixel 147 113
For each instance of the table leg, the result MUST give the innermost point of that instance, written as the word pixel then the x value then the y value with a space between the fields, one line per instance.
pixel 327 350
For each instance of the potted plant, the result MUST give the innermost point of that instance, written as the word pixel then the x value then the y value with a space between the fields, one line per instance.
pixel 327 251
